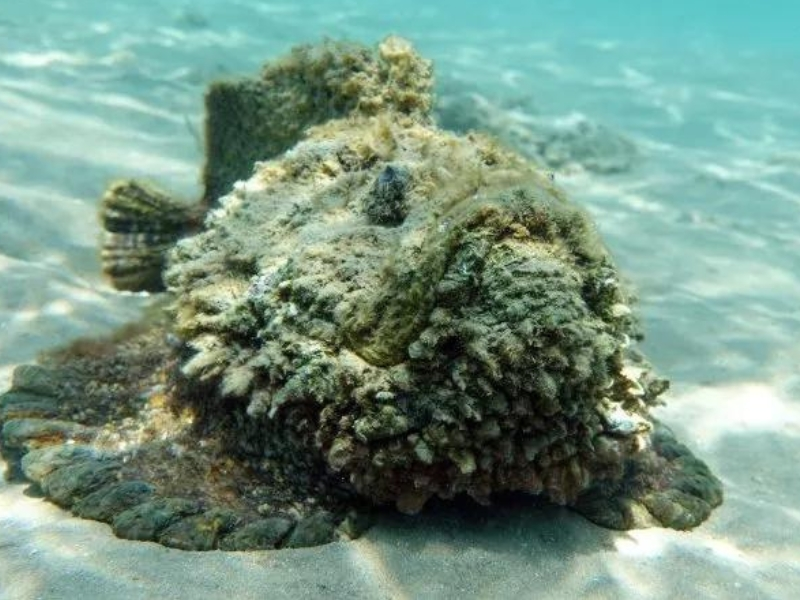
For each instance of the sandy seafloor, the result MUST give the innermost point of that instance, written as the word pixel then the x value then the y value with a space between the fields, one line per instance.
pixel 706 226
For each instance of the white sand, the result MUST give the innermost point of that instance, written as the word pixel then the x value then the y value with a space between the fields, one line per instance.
pixel 706 228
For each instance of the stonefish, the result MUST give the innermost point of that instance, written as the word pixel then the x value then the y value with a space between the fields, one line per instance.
pixel 363 310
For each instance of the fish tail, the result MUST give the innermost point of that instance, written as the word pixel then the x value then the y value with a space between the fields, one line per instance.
pixel 140 224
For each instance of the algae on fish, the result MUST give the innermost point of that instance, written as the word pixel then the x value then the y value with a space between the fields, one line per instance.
pixel 380 312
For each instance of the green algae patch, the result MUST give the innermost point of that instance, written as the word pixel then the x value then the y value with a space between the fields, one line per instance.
pixel 263 534
pixel 113 499
pixel 146 521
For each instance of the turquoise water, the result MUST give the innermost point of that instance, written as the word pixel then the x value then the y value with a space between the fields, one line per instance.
pixel 705 224
pixel 707 89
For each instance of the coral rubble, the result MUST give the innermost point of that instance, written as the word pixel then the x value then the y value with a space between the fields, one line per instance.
pixel 381 313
